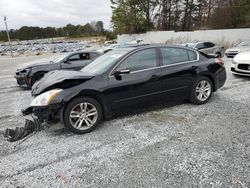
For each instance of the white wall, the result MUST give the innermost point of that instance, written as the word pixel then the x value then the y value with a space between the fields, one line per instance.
pixel 226 36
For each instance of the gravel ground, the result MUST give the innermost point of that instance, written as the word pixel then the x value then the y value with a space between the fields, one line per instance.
pixel 178 146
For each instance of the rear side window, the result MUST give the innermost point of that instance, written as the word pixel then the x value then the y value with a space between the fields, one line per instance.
pixel 209 45
pixel 140 60
pixel 174 55
pixel 192 55
pixel 85 56
pixel 200 46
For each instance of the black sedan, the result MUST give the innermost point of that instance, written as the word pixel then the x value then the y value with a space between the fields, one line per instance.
pixel 28 74
pixel 125 77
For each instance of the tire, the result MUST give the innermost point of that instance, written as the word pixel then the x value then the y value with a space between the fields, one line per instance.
pixel 218 54
pixel 77 119
pixel 203 95
pixel 37 77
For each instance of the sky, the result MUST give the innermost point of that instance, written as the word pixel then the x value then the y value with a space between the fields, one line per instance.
pixel 54 13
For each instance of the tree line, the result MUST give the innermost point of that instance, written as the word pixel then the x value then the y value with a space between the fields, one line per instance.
pixel 137 16
pixel 71 31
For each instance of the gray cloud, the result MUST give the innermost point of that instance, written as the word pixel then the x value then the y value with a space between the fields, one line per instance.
pixel 53 12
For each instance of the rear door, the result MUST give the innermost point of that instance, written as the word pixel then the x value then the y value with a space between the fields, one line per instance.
pixel 141 84
pixel 179 68
pixel 77 61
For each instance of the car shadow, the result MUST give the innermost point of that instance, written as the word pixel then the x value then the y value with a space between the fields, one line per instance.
pixel 130 111
pixel 243 78
pixel 125 112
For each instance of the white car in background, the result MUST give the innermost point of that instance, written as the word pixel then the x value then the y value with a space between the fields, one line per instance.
pixel 241 47
pixel 241 64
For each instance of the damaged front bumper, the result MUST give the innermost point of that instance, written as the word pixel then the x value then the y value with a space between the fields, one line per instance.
pixel 23 80
pixel 47 114
pixel 42 117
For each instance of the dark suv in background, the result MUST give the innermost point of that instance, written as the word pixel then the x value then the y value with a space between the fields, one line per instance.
pixel 28 74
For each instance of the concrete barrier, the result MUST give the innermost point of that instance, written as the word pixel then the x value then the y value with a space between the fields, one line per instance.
pixel 226 37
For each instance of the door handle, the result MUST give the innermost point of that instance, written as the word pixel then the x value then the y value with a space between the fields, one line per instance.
pixel 194 67
pixel 154 77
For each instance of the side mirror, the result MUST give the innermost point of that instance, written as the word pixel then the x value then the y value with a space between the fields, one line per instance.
pixel 121 72
pixel 66 61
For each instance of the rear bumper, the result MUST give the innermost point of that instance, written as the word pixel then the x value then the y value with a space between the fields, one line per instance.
pixel 221 78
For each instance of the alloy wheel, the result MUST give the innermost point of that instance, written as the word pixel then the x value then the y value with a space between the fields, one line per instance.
pixel 83 116
pixel 203 90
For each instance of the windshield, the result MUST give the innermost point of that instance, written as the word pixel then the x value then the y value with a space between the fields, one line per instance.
pixel 246 43
pixel 104 62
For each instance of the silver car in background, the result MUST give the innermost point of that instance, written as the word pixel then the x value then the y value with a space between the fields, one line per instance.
pixel 207 48
pixel 241 47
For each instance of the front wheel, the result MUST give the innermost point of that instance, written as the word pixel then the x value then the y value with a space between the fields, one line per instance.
pixel 37 77
pixel 82 115
pixel 202 91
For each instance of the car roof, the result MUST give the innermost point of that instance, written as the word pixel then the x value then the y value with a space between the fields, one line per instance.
pixel 78 52
pixel 145 46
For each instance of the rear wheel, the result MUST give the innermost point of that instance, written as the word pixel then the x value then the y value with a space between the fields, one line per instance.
pixel 218 54
pixel 202 91
pixel 82 115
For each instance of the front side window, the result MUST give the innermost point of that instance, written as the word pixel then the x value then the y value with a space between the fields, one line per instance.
pixel 174 55
pixel 141 60
pixel 74 58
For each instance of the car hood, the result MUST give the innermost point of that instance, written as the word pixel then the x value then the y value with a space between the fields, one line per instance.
pixel 35 63
pixel 243 57
pixel 59 79
pixel 239 49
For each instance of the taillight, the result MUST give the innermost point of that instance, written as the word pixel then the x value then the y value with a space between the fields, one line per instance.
pixel 219 61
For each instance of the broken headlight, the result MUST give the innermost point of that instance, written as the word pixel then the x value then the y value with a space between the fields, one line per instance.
pixel 45 98
pixel 24 72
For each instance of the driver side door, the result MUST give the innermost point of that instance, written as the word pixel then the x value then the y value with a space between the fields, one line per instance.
pixel 135 80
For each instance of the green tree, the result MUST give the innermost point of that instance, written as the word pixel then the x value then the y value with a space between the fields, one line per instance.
pixel 70 30
pixel 128 16
pixel 99 27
